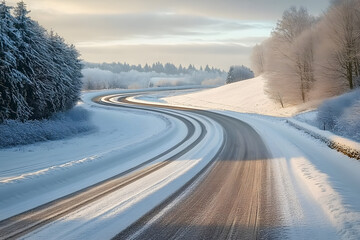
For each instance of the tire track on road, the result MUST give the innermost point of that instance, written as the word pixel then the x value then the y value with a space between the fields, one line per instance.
pixel 21 224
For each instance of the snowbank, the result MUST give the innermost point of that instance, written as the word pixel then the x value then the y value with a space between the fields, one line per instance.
pixel 341 115
pixel 247 96
pixel 60 126
pixel 317 187
pixel 341 144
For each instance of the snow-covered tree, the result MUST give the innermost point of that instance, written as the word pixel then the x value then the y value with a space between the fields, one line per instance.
pixel 170 68
pixel 307 58
pixel 40 74
pixel 238 73
pixel 342 35
pixel 68 72
pixel 34 61
pixel 12 82
pixel 207 68
pixel 257 59
pixel 191 68
pixel 289 57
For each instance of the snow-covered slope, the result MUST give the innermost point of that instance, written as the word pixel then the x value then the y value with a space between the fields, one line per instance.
pixel 246 96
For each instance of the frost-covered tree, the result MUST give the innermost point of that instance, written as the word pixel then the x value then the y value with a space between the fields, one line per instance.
pixel 342 29
pixel 40 74
pixel 191 68
pixel 34 61
pixel 207 68
pixel 238 73
pixel 180 69
pixel 146 68
pixel 257 59
pixel 307 58
pixel 303 55
pixel 68 72
pixel 12 82
pixel 289 57
pixel 170 68
pixel 158 67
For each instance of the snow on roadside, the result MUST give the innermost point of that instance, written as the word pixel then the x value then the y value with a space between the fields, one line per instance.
pixel 318 188
pixel 341 144
pixel 108 216
pixel 38 173
pixel 60 126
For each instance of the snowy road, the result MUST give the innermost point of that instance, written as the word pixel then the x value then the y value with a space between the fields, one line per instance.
pixel 160 173
pixel 220 179
pixel 228 202
pixel 316 188
pixel 224 165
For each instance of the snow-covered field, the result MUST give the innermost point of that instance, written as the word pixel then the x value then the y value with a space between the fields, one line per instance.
pixel 245 96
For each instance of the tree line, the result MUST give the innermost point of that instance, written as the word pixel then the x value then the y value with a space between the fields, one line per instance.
pixel 167 68
pixel 308 58
pixel 39 73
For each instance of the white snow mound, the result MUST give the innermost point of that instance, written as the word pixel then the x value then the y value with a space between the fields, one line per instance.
pixel 248 96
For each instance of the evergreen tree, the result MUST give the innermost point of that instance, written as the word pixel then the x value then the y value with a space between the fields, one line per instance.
pixel 12 96
pixel 34 61
pixel 238 73
pixel 207 68
pixel 40 74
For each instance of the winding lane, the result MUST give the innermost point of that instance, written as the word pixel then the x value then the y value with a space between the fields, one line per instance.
pixel 228 199
pixel 21 224
pixel 231 202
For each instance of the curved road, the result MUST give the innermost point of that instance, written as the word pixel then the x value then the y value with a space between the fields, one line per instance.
pixel 229 198
pixel 21 224
pixel 233 201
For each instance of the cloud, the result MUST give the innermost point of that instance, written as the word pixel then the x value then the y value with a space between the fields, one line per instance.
pixel 119 30
pixel 236 9
pixel 86 27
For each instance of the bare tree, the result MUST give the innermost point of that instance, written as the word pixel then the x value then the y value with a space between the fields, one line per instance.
pixel 257 59
pixel 289 57
pixel 343 32
pixel 303 57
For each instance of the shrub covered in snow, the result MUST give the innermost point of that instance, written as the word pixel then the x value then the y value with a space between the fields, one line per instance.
pixel 342 115
pixel 59 126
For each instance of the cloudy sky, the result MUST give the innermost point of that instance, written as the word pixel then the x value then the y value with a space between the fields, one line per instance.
pixel 215 32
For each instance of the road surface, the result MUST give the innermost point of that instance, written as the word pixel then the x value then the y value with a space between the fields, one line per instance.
pixel 233 200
